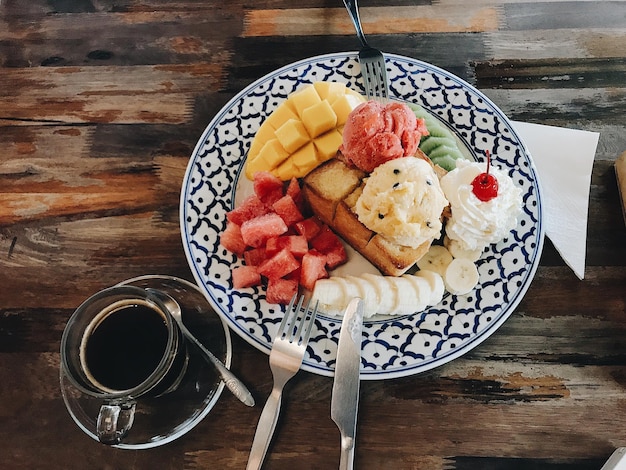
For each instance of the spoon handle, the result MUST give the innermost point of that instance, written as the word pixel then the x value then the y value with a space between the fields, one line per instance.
pixel 233 383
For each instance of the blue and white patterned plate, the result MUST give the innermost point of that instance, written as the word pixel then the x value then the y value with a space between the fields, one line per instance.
pixel 392 347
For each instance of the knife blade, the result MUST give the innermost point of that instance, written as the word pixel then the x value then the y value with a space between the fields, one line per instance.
pixel 345 397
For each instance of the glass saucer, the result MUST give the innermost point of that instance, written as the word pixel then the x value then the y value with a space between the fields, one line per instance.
pixel 163 419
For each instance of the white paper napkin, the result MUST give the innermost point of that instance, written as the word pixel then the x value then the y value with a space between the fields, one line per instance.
pixel 564 159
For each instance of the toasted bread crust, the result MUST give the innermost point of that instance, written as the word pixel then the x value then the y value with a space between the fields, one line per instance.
pixel 331 191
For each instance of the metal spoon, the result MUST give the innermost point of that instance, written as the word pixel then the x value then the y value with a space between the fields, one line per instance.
pixel 233 383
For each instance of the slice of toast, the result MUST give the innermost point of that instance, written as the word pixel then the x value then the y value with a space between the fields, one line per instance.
pixel 332 190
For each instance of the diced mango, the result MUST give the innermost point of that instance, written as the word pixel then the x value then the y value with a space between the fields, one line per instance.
pixel 286 170
pixel 303 131
pixel 292 135
pixel 280 116
pixel 265 133
pixel 304 99
pixel 330 90
pixel 255 164
pixel 306 156
pixel 319 118
pixel 328 144
pixel 273 153
pixel 343 106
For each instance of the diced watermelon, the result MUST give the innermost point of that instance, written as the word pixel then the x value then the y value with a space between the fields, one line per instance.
pixel 313 268
pixel 268 187
pixel 287 209
pixel 329 244
pixel 308 227
pixel 250 208
pixel 294 190
pixel 281 291
pixel 279 265
pixel 296 244
pixel 255 232
pixel 246 276
pixel 255 256
pixel 336 256
pixel 232 239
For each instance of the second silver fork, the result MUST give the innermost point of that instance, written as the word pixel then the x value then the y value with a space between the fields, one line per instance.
pixel 372 61
pixel 285 360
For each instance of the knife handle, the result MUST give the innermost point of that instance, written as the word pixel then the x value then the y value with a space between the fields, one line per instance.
pixel 346 461
pixel 265 430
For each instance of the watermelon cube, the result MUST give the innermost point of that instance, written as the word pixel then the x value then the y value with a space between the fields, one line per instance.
pixel 268 187
pixel 329 244
pixel 313 268
pixel 255 256
pixel 281 291
pixel 294 190
pixel 250 208
pixel 309 228
pixel 232 239
pixel 255 232
pixel 279 265
pixel 288 210
pixel 246 276
pixel 296 244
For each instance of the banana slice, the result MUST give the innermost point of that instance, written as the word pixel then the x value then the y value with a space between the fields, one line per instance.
pixel 384 290
pixel 437 259
pixel 461 276
pixel 371 302
pixel 422 291
pixel 331 296
pixel 457 251
pixel 436 284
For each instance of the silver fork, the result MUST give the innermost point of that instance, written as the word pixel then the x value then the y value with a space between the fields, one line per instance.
pixel 372 60
pixel 285 360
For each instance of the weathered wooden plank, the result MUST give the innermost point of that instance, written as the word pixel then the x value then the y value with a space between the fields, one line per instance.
pixel 449 51
pixel 564 107
pixel 551 73
pixel 139 94
pixel 375 20
pixel 162 37
pixel 559 43
pixel 550 15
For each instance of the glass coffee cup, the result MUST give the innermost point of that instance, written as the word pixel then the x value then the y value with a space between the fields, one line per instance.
pixel 122 344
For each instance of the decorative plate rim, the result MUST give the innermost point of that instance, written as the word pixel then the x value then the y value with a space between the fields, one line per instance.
pixel 378 333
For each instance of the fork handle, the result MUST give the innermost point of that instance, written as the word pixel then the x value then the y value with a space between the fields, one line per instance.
pixel 265 429
pixel 353 11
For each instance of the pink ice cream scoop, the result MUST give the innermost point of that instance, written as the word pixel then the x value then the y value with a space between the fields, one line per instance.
pixel 375 133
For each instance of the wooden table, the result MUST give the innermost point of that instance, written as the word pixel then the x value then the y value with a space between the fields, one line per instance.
pixel 101 104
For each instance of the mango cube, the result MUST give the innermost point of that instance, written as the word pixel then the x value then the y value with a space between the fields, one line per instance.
pixel 292 135
pixel 305 157
pixel 255 164
pixel 265 133
pixel 304 99
pixel 280 116
pixel 286 170
pixel 330 90
pixel 319 118
pixel 343 106
pixel 273 153
pixel 328 144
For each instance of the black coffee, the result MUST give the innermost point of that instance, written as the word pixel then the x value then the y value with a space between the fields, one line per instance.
pixel 126 346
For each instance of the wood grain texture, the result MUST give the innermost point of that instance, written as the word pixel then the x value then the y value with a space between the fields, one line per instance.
pixel 101 105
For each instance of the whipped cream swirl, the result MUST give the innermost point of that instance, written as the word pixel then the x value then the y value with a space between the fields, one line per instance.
pixel 476 224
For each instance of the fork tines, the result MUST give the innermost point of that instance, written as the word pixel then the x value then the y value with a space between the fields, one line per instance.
pixel 374 74
pixel 290 327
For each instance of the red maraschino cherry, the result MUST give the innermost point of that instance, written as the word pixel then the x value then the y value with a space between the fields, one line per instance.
pixel 485 185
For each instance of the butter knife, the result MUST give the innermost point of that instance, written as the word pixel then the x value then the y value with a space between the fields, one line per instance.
pixel 345 398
